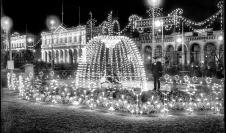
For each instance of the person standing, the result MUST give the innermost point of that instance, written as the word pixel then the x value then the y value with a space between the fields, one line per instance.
pixel 157 73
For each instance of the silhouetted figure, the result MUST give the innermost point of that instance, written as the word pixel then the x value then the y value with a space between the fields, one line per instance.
pixel 157 73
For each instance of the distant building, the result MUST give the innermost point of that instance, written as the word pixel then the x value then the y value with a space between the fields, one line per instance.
pixel 65 43
pixel 19 44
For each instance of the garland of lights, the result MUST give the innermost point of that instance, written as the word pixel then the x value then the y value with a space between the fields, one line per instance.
pixel 174 18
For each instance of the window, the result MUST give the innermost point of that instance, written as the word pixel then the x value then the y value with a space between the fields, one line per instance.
pixel 79 38
pixel 70 39
pixel 55 40
pixel 75 39
pixel 65 39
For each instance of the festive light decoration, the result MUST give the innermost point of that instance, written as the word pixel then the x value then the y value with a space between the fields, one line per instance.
pixel 116 60
pixel 173 19
pixel 117 49
pixel 33 89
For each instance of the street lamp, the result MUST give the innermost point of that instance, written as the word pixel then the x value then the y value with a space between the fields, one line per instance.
pixel 220 38
pixel 6 24
pixel 153 4
pixel 30 40
pixel 179 40
pixel 52 23
pixel 159 23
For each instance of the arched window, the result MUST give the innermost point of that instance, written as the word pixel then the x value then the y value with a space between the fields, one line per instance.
pixel 210 53
pixel 169 55
pixel 195 54
pixel 70 39
pixel 75 39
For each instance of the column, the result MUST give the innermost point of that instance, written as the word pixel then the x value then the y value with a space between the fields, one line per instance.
pixel 202 58
pixel 47 56
pixel 217 53
pixel 42 56
pixel 188 55
pixel 61 56
pixel 77 52
pixel 182 54
pixel 153 52
pixel 64 58
pixel 73 57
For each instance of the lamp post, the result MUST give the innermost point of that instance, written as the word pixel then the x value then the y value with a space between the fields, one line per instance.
pixel 159 23
pixel 6 25
pixel 52 23
pixel 153 4
pixel 30 40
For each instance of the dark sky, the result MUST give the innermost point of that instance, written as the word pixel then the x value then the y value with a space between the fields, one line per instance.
pixel 34 12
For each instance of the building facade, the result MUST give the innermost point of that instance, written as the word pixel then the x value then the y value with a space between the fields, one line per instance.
pixel 63 45
pixel 20 43
pixel 201 49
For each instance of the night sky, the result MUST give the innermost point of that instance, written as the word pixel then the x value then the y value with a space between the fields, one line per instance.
pixel 33 13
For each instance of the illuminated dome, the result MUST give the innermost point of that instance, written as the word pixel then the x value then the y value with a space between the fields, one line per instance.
pixel 114 57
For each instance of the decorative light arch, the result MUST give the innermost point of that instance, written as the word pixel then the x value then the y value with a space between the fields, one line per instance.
pixel 111 54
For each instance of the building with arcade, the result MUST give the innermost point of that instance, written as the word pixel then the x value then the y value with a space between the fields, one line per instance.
pixel 63 45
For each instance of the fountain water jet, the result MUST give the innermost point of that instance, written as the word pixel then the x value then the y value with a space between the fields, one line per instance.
pixel 112 59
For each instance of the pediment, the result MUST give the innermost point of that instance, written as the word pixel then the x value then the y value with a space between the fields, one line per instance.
pixel 60 29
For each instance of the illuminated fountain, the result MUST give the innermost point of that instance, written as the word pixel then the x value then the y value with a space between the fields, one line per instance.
pixel 110 60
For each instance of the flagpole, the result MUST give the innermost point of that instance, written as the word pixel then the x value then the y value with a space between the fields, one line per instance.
pixel 62 12
pixel 79 15
pixel 91 24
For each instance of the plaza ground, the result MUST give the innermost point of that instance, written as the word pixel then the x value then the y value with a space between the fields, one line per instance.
pixel 23 116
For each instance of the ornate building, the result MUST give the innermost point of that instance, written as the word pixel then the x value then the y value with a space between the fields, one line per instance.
pixel 20 43
pixel 64 44
pixel 203 49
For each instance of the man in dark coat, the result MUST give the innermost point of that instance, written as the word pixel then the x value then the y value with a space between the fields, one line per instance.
pixel 157 73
